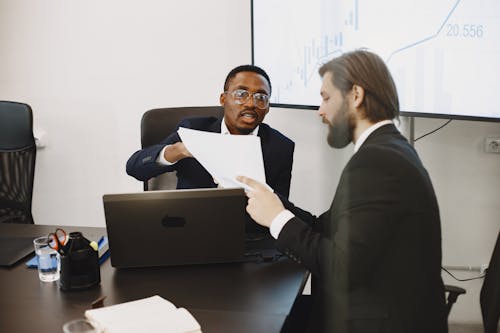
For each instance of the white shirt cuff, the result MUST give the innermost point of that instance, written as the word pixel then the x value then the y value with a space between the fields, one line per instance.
pixel 279 222
pixel 161 157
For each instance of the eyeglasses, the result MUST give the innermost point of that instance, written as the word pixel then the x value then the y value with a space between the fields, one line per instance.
pixel 241 96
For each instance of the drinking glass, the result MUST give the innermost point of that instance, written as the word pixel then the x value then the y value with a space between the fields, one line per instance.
pixel 49 264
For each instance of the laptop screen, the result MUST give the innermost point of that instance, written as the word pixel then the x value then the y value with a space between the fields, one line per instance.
pixel 177 227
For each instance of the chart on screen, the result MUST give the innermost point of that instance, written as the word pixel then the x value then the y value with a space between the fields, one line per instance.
pixel 443 55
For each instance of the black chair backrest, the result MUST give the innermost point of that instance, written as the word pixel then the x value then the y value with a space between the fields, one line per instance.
pixel 157 124
pixel 17 162
pixel 490 292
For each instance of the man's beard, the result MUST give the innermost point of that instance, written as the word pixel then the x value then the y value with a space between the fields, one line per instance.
pixel 341 130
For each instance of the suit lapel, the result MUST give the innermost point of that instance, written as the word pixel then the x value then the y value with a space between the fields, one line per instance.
pixel 215 126
pixel 263 134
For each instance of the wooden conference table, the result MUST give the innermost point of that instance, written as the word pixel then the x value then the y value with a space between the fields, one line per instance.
pixel 241 297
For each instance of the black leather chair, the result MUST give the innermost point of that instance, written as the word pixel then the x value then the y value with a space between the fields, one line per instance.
pixel 452 293
pixel 157 124
pixel 490 292
pixel 17 162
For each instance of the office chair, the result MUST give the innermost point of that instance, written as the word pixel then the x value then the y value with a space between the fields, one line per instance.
pixel 452 293
pixel 157 124
pixel 17 162
pixel 490 292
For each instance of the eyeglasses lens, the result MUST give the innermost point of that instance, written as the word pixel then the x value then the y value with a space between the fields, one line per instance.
pixel 241 97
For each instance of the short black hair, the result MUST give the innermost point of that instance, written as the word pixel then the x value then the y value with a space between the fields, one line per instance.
pixel 247 68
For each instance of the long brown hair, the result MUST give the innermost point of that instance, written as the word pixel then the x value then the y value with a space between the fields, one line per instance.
pixel 367 70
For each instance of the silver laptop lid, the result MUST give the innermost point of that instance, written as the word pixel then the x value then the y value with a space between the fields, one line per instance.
pixel 177 227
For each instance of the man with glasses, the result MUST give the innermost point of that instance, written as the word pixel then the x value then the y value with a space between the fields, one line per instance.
pixel 245 100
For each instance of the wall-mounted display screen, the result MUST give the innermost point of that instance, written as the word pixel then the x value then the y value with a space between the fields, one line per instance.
pixel 444 55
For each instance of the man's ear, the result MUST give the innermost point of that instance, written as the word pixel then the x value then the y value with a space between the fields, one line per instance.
pixel 222 99
pixel 357 95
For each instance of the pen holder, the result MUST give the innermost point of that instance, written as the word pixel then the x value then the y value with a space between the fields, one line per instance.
pixel 79 264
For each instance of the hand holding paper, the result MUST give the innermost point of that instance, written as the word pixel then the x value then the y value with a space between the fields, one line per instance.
pixel 176 152
pixel 226 156
pixel 263 205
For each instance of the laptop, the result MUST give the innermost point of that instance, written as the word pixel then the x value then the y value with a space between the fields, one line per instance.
pixel 176 227
pixel 13 249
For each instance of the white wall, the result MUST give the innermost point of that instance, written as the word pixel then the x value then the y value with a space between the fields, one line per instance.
pixel 90 68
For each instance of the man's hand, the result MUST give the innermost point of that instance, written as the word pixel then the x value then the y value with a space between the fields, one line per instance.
pixel 263 205
pixel 176 152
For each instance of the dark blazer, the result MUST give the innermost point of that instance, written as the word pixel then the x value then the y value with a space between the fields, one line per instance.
pixel 375 255
pixel 277 152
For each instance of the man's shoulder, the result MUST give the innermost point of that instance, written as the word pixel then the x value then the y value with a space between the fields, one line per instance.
pixel 275 135
pixel 199 123
pixel 391 154
pixel 384 151
pixel 386 141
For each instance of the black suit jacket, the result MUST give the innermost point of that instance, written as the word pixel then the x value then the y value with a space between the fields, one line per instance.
pixel 375 255
pixel 277 152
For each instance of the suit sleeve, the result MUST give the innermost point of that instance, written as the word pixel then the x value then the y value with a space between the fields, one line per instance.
pixel 353 232
pixel 300 213
pixel 142 164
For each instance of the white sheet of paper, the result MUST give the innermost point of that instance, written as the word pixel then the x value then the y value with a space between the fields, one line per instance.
pixel 151 314
pixel 226 156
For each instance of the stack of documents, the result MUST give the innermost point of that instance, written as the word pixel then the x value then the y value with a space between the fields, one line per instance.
pixel 152 314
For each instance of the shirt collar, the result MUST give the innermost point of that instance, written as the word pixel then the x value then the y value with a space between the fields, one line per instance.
pixel 225 130
pixel 362 138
